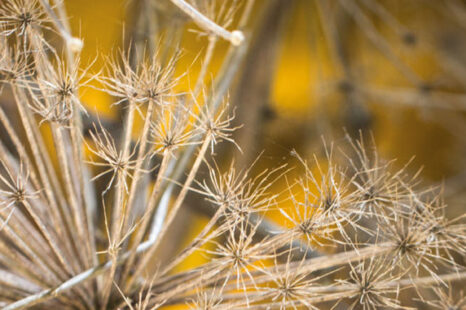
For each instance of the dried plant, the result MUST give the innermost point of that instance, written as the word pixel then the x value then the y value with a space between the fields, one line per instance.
pixel 86 213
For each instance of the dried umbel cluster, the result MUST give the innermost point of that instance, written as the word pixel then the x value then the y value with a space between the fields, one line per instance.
pixel 82 217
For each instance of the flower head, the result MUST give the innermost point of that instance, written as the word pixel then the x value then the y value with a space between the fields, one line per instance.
pixel 55 94
pixel 114 161
pixel 14 189
pixel 18 16
pixel 371 285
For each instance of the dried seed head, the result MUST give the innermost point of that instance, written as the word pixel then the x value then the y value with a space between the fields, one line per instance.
pixel 157 80
pixel 445 236
pixel 447 299
pixel 13 190
pixel 414 244
pixel 122 82
pixel 55 94
pixel 13 64
pixel 216 126
pixel 370 282
pixel 291 286
pixel 238 195
pixel 113 160
pixel 18 16
pixel 309 224
pixel 239 253
pixel 328 202
pixel 150 81
pixel 376 186
pixel 169 133
pixel 207 300
pixel 223 188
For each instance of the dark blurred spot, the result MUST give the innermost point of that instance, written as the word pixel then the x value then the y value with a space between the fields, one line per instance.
pixel 450 42
pixel 268 112
pixel 357 118
pixel 345 87
pixel 409 38
pixel 426 88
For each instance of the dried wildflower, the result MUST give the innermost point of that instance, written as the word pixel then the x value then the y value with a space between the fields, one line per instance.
pixel 445 236
pixel 55 92
pixel 156 80
pixel 238 195
pixel 170 133
pixel 15 190
pixel 207 300
pixel 376 186
pixel 144 299
pixel 122 82
pixel 238 254
pixel 447 300
pixel 308 223
pixel 216 126
pixel 290 287
pixel 369 284
pixel 150 81
pixel 327 198
pixel 114 161
pixel 13 66
pixel 413 245
pixel 49 252
pixel 18 16
pixel 223 188
pixel 256 196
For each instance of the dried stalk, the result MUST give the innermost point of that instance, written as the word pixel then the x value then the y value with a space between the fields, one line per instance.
pixel 235 37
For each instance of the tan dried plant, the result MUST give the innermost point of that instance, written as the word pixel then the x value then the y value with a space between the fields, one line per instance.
pixel 86 212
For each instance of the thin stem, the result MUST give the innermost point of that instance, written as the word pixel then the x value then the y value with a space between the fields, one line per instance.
pixel 85 198
pixel 119 208
pixel 371 32
pixel 246 14
pixel 46 270
pixel 236 37
pixel 147 215
pixel 196 243
pixel 73 44
pixel 139 161
pixel 229 70
pixel 19 147
pixel 36 150
pixel 61 148
pixel 205 65
pixel 171 216
pixel 197 88
pixel 44 166
pixel 48 237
